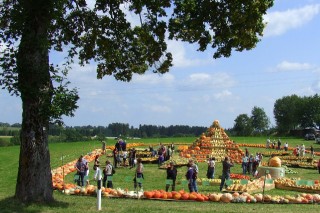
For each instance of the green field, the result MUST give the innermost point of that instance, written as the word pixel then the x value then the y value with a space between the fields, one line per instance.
pixel 62 153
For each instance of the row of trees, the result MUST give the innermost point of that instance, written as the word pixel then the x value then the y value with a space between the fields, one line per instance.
pixel 290 112
pixel 257 123
pixel 293 112
pixel 82 133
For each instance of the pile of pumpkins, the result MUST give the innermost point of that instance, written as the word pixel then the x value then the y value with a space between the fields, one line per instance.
pixel 231 197
pixel 248 198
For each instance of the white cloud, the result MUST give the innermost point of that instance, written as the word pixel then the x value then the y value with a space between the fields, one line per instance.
pixel 223 95
pixel 279 23
pixel 294 66
pixel 153 78
pixel 206 80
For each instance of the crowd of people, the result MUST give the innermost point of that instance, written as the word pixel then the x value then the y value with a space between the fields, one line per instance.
pixel 250 163
pixel 276 144
pixel 299 150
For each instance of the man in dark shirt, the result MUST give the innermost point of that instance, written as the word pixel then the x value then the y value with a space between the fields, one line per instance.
pixel 226 165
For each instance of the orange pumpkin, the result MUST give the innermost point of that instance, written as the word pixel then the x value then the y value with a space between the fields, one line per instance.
pixel 185 196
pixel 169 195
pixel 200 198
pixel 192 196
pixel 157 194
pixel 275 162
pixel 177 196
pixel 164 195
pixel 147 194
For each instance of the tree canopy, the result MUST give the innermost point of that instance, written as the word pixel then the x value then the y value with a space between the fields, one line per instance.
pixel 292 112
pixel 100 31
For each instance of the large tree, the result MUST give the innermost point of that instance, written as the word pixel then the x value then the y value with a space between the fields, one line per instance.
pixel 243 125
pixel 259 119
pixel 287 111
pixel 31 29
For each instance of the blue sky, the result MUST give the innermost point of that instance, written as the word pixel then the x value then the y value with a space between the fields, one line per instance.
pixel 199 89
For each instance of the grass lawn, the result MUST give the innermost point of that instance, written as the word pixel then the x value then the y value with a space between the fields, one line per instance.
pixel 62 153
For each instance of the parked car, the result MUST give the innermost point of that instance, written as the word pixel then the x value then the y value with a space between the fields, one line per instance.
pixel 309 136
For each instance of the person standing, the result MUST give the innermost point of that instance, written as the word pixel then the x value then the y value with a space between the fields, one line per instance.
pixel 211 166
pixel 250 164
pixel 171 175
pixel 169 153
pixel 96 166
pixel 107 175
pixel 172 149
pixel 246 152
pixel 195 174
pixel 132 157
pixel 138 175
pixel 226 165
pixel 189 177
pixel 312 151
pixel 279 144
pixel 124 145
pixel 245 161
pixel 302 150
pixel 286 146
pixel 103 147
pixel 115 153
pixel 298 150
pixel 124 157
pixel 81 167
pixel 268 143
pixel 86 175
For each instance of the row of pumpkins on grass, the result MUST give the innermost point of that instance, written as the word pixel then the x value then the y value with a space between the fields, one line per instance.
pixel 182 195
pixel 232 197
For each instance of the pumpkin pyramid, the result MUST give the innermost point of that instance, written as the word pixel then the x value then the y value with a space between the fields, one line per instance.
pixel 213 143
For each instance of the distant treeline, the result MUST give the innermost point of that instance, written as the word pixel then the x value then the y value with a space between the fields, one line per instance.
pixel 83 133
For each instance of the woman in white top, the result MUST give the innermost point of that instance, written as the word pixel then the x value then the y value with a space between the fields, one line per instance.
pixel 211 166
pixel 107 175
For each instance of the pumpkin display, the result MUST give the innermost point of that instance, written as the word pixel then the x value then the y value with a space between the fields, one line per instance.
pixel 213 143
pixel 306 197
pixel 226 198
pixel 275 162
pixel 215 197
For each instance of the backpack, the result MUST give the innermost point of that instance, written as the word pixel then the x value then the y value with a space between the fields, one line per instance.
pixel 195 174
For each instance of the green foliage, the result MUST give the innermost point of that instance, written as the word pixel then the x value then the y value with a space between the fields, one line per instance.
pixel 259 119
pixel 4 142
pixel 243 125
pixel 292 112
pixel 15 140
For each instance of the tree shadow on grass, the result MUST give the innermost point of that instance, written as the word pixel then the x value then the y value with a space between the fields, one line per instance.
pixel 12 205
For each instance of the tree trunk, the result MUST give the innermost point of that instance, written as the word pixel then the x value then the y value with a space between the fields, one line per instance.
pixel 34 182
